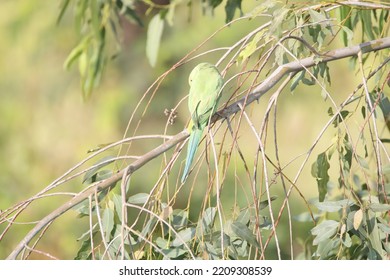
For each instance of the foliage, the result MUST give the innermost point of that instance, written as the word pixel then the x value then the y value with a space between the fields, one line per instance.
pixel 94 19
pixel 360 231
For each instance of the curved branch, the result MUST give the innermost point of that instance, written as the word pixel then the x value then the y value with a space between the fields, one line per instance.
pixel 100 186
pixel 259 91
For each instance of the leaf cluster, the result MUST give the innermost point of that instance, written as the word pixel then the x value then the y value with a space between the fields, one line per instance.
pixel 163 232
pixel 167 233
pixel 96 20
pixel 356 232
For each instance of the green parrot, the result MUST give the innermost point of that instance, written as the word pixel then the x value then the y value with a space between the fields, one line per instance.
pixel 205 86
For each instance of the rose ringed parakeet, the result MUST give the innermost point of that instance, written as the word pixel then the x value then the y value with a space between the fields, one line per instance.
pixel 205 86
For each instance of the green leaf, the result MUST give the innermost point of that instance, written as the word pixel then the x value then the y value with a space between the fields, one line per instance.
pixel 76 52
pixel 296 79
pixel 207 221
pixel 319 171
pixel 83 64
pixel 84 252
pixel 317 17
pixel 83 209
pixel 333 206
pixel 347 34
pixel 94 9
pixel 244 233
pixel 326 249
pixel 147 229
pixel 263 204
pixel 239 249
pixel 384 15
pixel 378 207
pixel 80 14
pixel 250 48
pixel 265 223
pixel 127 10
pixel 278 18
pixel 116 243
pixel 357 219
pixel 347 240
pixel 345 17
pixel 375 244
pixel 324 230
pixel 308 82
pixel 88 177
pixel 386 245
pixel 362 162
pixel 244 217
pixel 171 12
pixel 257 11
pixel 153 39
pixel 340 117
pixel 305 217
pixel 184 236
pixel 162 243
pixel 104 174
pixel 323 69
pixel 363 111
pixel 366 21
pixel 347 156
pixel 64 6
pixel 384 105
pixel 108 222
pixel 214 3
pixel 386 169
pixel 179 218
pixel 281 57
pixel 216 238
pixel 117 200
pixel 212 252
pixel 230 9
pixel 96 65
pixel 362 233
pixel 173 253
pixel 139 198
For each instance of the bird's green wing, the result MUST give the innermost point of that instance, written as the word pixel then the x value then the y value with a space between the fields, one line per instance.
pixel 205 86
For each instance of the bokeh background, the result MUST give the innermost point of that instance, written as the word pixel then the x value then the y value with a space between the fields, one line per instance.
pixel 46 127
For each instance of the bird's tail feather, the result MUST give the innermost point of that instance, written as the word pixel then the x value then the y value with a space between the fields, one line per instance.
pixel 195 137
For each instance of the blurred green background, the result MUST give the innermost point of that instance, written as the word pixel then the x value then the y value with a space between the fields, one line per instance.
pixel 46 127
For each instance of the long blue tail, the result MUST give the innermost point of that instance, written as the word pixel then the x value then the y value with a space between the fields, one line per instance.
pixel 193 143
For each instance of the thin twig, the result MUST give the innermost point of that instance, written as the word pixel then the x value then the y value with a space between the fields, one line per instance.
pixel 267 183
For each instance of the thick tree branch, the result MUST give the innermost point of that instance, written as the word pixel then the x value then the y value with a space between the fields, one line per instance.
pixel 260 90
pixel 297 66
